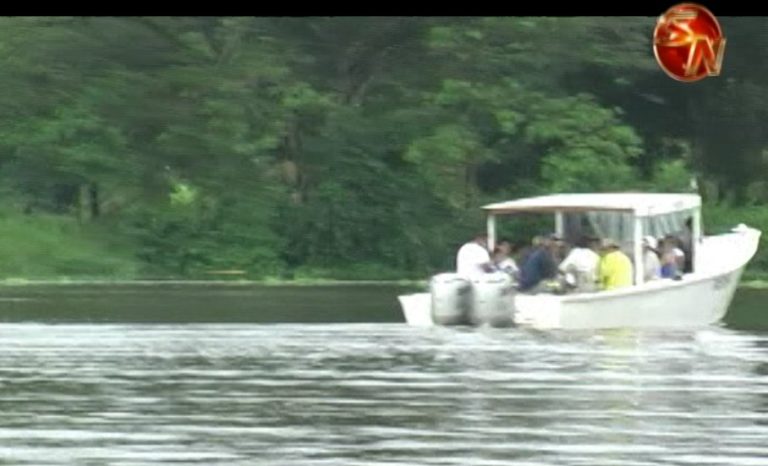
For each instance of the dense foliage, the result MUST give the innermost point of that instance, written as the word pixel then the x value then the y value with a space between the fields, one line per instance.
pixel 345 147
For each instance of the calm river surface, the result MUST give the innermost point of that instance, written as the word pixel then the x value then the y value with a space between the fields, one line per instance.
pixel 329 375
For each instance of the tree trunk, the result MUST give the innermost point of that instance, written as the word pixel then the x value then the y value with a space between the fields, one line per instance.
pixel 94 199
pixel 82 203
pixel 291 170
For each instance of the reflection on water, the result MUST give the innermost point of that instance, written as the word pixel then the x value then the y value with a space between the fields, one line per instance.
pixel 376 394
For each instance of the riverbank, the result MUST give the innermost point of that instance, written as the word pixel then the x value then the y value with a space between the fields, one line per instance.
pixel 161 282
pixel 752 282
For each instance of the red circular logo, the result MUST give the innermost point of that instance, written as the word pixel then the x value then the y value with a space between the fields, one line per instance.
pixel 688 42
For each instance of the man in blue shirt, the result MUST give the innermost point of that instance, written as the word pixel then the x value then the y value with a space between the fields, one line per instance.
pixel 540 264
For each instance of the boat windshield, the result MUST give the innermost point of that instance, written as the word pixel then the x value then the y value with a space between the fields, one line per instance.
pixel 620 226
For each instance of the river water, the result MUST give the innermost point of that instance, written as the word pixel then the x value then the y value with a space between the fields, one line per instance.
pixel 331 376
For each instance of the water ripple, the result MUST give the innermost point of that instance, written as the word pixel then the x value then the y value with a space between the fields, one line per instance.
pixel 384 394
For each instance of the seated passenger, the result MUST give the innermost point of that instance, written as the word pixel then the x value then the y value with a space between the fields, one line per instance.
pixel 680 256
pixel 651 263
pixel 473 257
pixel 540 264
pixel 581 263
pixel 672 259
pixel 503 260
pixel 615 269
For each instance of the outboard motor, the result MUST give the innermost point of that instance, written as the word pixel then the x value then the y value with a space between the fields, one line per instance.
pixel 493 300
pixel 451 299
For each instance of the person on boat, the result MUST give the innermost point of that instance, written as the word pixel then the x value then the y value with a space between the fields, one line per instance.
pixel 581 264
pixel 560 250
pixel 473 257
pixel 615 269
pixel 651 263
pixel 503 261
pixel 672 258
pixel 680 254
pixel 540 265
pixel 521 251
pixel 525 250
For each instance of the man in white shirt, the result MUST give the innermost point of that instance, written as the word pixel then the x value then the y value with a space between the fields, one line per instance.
pixel 503 260
pixel 581 263
pixel 473 257
pixel 651 263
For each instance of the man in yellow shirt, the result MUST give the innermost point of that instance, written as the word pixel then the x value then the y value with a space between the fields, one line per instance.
pixel 615 268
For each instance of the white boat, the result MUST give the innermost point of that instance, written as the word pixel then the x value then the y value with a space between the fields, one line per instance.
pixel 700 298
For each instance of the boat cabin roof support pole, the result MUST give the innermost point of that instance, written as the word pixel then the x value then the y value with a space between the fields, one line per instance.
pixel 559 224
pixel 638 251
pixel 491 232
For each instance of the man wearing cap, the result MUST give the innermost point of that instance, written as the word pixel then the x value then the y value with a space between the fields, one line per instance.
pixel 540 264
pixel 615 269
pixel 651 264
pixel 473 258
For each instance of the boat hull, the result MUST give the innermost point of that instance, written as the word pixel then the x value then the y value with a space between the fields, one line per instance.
pixel 698 299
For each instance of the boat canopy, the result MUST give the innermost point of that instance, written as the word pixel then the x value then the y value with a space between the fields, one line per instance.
pixel 638 204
